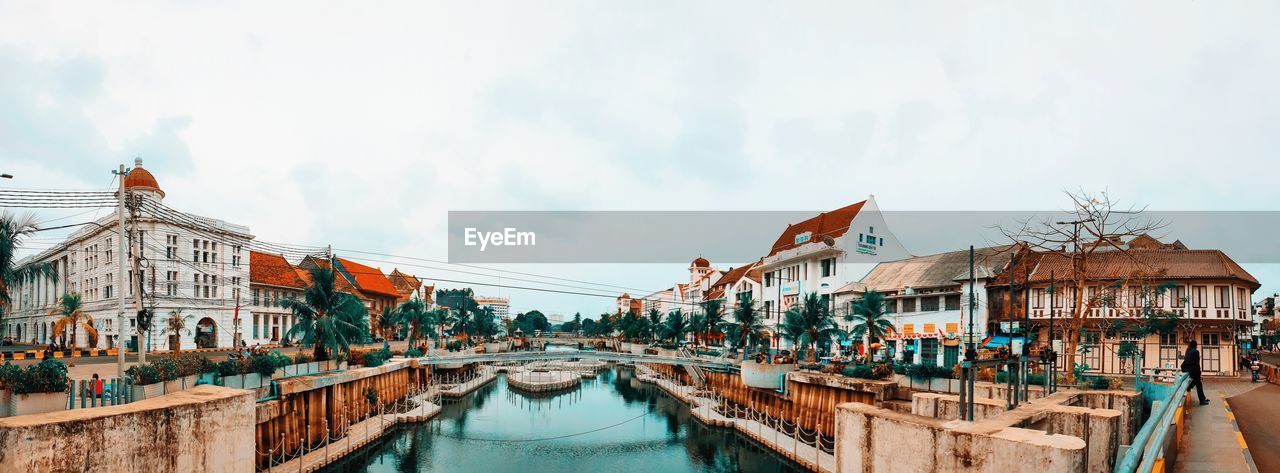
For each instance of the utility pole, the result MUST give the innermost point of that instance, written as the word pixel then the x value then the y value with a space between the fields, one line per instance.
pixel 973 303
pixel 135 237
pixel 120 276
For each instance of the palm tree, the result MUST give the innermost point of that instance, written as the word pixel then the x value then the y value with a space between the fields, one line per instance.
pixel 676 326
pixel 13 230
pixel 176 325
pixel 389 323
pixel 327 319
pixel 810 325
pixel 868 316
pixel 629 325
pixel 655 323
pixel 72 316
pixel 416 321
pixel 577 321
pixel 713 317
pixel 748 325
pixel 697 326
pixel 484 323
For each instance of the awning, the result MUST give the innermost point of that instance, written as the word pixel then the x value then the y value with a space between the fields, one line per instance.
pixel 997 341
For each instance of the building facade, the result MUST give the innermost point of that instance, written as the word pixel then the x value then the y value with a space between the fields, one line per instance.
pixel 824 253
pixel 1200 295
pixel 927 299
pixel 501 305
pixel 191 267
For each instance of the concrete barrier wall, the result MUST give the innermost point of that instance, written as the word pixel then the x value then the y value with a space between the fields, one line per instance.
pixel 869 438
pixel 203 429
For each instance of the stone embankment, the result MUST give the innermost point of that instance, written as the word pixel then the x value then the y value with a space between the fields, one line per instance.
pixel 538 381
pixel 772 433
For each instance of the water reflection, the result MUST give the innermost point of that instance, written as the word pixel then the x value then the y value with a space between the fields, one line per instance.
pixel 612 422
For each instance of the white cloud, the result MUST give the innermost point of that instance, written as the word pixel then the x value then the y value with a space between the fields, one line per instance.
pixel 363 124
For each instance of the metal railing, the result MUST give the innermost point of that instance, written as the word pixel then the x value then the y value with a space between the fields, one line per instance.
pixel 86 393
pixel 1149 444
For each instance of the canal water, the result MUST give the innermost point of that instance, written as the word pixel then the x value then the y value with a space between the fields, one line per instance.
pixel 612 423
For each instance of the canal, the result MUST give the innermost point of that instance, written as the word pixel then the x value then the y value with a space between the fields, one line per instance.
pixel 612 423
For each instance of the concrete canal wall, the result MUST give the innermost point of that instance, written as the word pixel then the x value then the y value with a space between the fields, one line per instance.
pixel 203 429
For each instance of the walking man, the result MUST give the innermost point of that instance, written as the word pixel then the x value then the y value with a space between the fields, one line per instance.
pixel 1191 366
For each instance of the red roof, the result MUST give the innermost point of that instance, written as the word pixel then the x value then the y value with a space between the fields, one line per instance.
pixel 369 279
pixel 273 270
pixel 1141 263
pixel 734 275
pixel 833 224
pixel 138 177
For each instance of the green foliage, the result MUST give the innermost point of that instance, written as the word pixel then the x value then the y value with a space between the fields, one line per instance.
pixel 376 357
pixel 329 320
pixel 371 396
pixel 810 326
pixel 926 370
pixel 303 357
pixel 48 376
pixel 224 368
pixel 453 345
pixel 869 318
pixel 1034 379
pixel 413 353
pixel 875 371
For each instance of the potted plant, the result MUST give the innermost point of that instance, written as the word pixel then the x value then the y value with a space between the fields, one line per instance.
pixel 40 388
pixel 231 374
pixel 147 381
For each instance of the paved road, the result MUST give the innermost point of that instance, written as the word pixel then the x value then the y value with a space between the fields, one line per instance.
pixel 1257 412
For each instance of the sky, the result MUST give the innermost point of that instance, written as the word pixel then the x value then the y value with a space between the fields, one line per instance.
pixel 361 125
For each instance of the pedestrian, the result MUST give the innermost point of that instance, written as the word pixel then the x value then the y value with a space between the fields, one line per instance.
pixel 95 385
pixel 1191 366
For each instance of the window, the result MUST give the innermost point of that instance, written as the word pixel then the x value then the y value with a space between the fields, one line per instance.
pixel 171 283
pixel 908 304
pixel 1199 297
pixel 953 302
pixel 828 267
pixel 1178 296
pixel 929 304
pixel 1224 296
pixel 1210 339
pixel 929 351
pixel 890 306
pixel 768 309
pixel 255 325
pixel 1037 298
pixel 195 256
pixel 1169 338
pixel 768 279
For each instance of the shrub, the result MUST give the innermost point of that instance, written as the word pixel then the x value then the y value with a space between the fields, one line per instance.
pixel 302 357
pixel 810 366
pixel 357 357
pixel 413 353
pixel 166 367
pixel 708 352
pixel 900 368
pixel 876 371
pixel 143 374
pixel 371 396
pixel 377 357
pixel 9 374
pixel 48 376
pixel 925 371
pixel 229 368
pixel 454 345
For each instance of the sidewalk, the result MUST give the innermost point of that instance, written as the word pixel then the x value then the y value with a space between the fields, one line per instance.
pixel 1212 442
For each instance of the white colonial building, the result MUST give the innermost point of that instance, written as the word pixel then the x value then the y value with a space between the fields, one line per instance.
pixel 192 267
pixel 823 254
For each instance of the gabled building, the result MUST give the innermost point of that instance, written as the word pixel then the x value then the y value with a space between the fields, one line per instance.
pixel 272 279
pixel 824 253
pixel 736 283
pixel 926 298
pixel 409 287
pixel 1206 292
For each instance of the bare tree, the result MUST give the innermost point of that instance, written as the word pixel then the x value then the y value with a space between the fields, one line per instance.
pixel 1094 223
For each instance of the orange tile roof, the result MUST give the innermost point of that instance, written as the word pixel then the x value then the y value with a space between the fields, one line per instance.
pixel 735 274
pixel 1147 263
pixel 340 281
pixel 273 270
pixel 404 283
pixel 369 279
pixel 714 294
pixel 833 224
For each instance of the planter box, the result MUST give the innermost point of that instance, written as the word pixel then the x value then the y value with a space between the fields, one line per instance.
pixel 342 365
pixel 290 370
pixel 492 347
pixel 765 375
pixel 314 367
pixel 638 349
pixel 234 381
pixel 37 403
pixel 172 386
pixel 625 347
pixel 189 382
pixel 5 398
pixel 148 391
pixel 667 352
pixel 252 381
